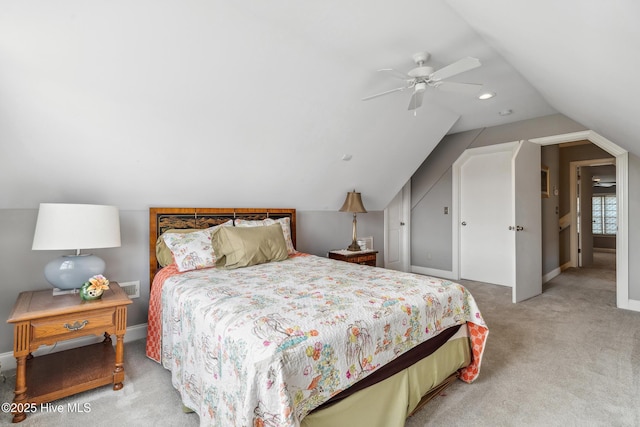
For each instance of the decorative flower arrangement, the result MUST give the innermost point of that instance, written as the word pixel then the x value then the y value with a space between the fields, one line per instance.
pixel 94 287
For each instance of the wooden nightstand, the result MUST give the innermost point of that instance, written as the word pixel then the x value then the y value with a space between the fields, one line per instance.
pixel 39 318
pixel 358 257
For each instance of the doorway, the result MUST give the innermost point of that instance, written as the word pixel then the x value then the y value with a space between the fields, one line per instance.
pixel 581 190
pixel 622 195
pixel 594 238
pixel 591 180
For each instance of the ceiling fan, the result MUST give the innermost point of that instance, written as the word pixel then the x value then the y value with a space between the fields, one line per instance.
pixel 597 182
pixel 424 76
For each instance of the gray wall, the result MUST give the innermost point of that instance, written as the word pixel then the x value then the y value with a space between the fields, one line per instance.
pixel 322 231
pixel 549 156
pixel 634 226
pixel 21 269
pixel 555 124
pixel 431 240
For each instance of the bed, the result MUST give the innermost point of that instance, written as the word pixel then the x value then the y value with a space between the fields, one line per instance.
pixel 298 339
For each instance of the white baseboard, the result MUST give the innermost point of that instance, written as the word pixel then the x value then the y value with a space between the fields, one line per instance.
pixel 433 272
pixel 565 266
pixel 550 275
pixel 135 332
pixel 634 305
pixel 608 250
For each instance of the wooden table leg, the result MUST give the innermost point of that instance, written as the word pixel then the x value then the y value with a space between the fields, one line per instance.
pixel 118 373
pixel 121 328
pixel 21 337
pixel 21 389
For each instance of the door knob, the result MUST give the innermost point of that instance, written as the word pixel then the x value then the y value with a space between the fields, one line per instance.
pixel 464 223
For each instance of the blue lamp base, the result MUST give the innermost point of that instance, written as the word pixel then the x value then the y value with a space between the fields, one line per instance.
pixel 71 271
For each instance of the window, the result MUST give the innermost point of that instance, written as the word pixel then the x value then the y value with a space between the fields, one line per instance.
pixel 604 214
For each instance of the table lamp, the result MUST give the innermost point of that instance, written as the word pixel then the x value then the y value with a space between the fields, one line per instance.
pixel 353 204
pixel 62 226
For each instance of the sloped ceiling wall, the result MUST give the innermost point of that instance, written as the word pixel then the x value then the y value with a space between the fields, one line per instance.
pixel 582 57
pixel 221 103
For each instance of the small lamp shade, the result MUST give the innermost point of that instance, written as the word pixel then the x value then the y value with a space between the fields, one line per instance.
pixel 74 227
pixel 353 204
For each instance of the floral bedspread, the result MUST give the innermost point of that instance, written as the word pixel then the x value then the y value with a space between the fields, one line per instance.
pixel 264 345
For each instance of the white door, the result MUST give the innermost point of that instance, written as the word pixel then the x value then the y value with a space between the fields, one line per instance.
pixel 527 222
pixel 396 245
pixel 486 244
pixel 500 217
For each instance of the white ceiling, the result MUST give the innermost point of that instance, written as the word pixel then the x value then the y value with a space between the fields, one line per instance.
pixel 249 103
pixel 581 56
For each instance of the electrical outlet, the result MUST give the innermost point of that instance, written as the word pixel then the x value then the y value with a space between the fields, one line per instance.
pixel 132 289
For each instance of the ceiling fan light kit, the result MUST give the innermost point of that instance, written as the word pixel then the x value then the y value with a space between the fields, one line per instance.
pixel 422 77
pixel 420 87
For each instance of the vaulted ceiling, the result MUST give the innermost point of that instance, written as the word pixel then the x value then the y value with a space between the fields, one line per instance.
pixel 249 103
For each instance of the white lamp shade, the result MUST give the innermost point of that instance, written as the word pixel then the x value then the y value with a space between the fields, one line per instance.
pixel 62 226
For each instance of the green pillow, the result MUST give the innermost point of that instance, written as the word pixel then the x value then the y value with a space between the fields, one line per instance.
pixel 238 247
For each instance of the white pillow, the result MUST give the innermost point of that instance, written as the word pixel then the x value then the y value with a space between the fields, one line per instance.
pixel 192 251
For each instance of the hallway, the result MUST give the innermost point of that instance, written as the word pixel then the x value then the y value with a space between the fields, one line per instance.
pixel 598 280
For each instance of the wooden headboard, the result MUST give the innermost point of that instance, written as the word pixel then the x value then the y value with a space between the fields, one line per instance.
pixel 163 219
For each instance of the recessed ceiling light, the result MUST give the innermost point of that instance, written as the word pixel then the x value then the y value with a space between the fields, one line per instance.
pixel 505 112
pixel 486 95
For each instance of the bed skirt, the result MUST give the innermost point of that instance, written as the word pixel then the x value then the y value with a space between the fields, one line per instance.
pixel 389 402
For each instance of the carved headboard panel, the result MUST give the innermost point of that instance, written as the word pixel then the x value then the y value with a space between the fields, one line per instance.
pixel 163 219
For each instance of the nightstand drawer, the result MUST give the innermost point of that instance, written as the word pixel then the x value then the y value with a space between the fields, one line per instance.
pixel 70 324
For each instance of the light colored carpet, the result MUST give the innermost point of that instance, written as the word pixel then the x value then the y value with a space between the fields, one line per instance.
pixel 565 358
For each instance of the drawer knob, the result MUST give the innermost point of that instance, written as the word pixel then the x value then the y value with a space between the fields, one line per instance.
pixel 76 326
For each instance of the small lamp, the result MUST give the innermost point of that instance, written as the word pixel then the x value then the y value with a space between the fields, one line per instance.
pixel 63 226
pixel 353 203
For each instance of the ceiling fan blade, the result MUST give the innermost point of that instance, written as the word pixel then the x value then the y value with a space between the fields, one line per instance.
pixel 460 66
pixel 465 88
pixel 399 89
pixel 395 73
pixel 416 100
